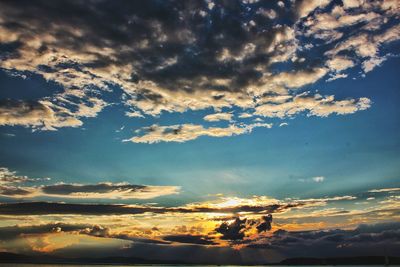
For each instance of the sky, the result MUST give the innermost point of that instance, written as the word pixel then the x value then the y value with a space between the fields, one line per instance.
pixel 240 131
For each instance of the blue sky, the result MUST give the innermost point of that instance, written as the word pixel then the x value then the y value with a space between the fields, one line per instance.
pixel 353 152
pixel 253 122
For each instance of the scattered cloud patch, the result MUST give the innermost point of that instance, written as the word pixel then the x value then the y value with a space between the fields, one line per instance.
pixel 206 63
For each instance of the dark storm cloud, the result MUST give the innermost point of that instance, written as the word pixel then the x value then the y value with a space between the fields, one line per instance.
pixel 155 31
pixel 190 239
pixel 236 230
pixel 233 230
pixel 264 223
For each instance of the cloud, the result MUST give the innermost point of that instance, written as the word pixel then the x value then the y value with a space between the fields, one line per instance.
pixel 384 190
pixel 13 232
pixel 316 105
pixel 219 117
pixel 337 19
pixel 10 187
pixel 10 183
pixel 34 114
pixel 185 132
pixel 318 179
pixel 337 76
pixel 108 190
pixel 221 58
pixel 239 228
pixel 305 7
pixel 8 177
pixel 363 240
pixel 367 45
pixel 299 79
pixel 101 190
pixel 240 223
pixel 42 208
pixel 371 63
pixel 190 239
pixel 231 223
pixel 233 230
pixel 103 231
pixel 340 63
pixel 254 205
pixel 245 115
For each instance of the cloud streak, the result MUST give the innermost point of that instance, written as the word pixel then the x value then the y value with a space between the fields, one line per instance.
pixel 186 132
pixel 101 190
pixel 10 186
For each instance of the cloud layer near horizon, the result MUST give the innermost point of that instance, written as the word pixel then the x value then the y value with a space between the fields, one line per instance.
pixel 194 55
pixel 217 222
pixel 14 186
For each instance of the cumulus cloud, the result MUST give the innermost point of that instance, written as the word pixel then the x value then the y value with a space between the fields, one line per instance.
pixel 223 57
